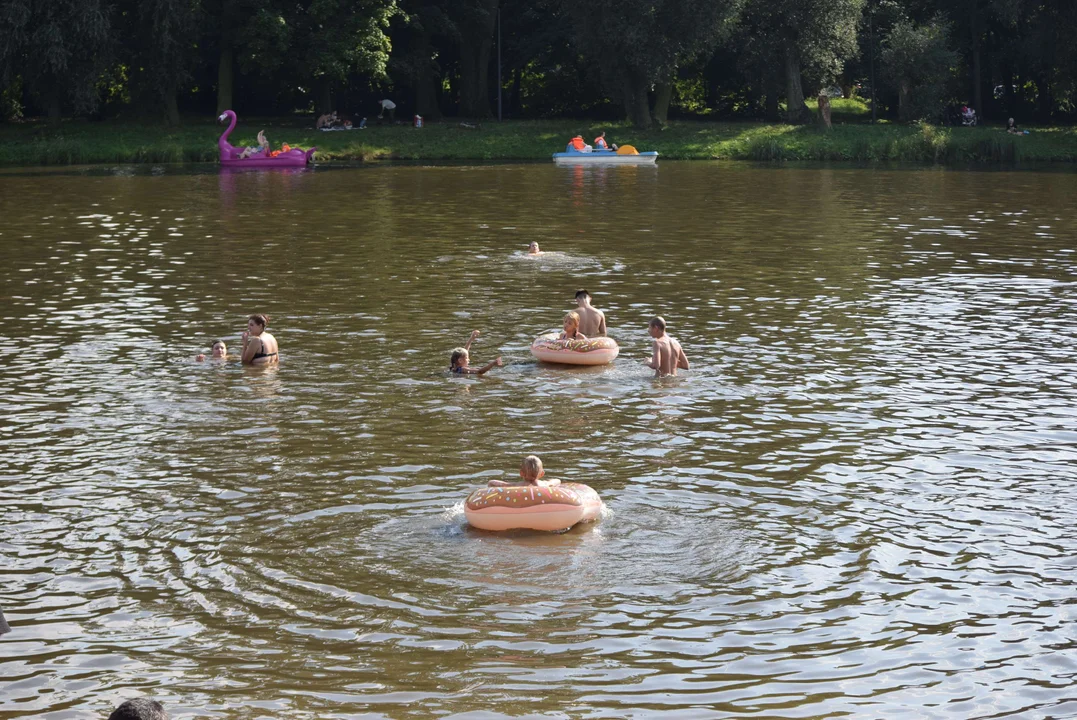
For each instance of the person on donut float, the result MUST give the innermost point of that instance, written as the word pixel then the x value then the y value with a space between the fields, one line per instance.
pixel 666 352
pixel 458 361
pixel 592 320
pixel 572 328
pixel 531 471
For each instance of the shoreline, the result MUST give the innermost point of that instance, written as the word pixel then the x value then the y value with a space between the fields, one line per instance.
pixel 80 142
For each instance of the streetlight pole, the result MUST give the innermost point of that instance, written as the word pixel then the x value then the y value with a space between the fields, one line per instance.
pixel 499 62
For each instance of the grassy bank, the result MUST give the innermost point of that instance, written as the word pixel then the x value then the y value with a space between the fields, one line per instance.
pixel 82 142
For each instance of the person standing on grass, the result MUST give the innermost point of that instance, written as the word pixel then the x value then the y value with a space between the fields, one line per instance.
pixel 387 105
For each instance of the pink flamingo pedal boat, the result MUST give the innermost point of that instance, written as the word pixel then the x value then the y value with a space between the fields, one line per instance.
pixel 230 156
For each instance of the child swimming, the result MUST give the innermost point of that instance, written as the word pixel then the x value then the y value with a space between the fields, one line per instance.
pixel 219 351
pixel 458 361
pixel 531 471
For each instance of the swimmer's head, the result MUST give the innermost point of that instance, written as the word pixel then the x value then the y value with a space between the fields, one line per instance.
pixel 572 321
pixel 257 322
pixel 219 349
pixel 582 296
pixel 531 468
pixel 459 358
pixel 657 326
pixel 533 248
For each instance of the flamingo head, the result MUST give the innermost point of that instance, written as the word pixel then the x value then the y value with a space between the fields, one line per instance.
pixel 223 117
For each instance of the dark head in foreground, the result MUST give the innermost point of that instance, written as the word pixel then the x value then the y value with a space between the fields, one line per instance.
pixel 139 709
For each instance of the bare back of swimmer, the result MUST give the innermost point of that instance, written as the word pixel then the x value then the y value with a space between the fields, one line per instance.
pixel 592 320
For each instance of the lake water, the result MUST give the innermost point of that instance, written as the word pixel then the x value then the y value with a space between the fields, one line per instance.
pixel 859 502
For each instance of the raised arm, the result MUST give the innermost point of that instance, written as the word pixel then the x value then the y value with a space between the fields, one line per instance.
pixel 250 348
pixel 471 339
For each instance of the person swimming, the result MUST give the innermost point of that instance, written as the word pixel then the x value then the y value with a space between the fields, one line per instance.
pixel 533 249
pixel 219 351
pixel 460 357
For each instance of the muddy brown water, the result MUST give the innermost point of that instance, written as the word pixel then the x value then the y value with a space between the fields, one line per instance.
pixel 859 502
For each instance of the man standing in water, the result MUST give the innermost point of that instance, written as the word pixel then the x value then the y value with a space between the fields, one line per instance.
pixel 592 320
pixel 666 352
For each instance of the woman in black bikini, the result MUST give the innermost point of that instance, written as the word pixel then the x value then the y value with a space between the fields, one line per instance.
pixel 259 347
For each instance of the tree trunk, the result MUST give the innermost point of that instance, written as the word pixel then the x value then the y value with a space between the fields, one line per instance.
pixel 977 84
pixel 324 101
pixel 476 41
pixel 172 118
pixel 771 113
pixel 516 101
pixel 663 93
pixel 52 102
pixel 637 106
pixel 796 111
pixel 426 98
pixel 225 76
pixel 903 101
pixel 1044 100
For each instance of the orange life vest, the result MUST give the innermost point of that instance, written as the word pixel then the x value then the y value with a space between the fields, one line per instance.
pixel 600 142
pixel 578 143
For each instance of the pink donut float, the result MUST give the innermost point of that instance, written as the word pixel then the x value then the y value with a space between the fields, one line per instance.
pixel 532 507
pixel 597 351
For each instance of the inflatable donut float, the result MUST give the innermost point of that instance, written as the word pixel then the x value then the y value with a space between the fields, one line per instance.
pixel 532 507
pixel 597 351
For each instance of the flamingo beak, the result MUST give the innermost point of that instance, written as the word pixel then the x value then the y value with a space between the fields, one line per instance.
pixel 222 118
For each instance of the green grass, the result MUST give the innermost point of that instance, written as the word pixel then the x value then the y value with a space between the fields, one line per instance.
pixel 81 142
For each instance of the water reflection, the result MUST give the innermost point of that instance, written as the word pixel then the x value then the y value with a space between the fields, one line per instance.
pixel 857 502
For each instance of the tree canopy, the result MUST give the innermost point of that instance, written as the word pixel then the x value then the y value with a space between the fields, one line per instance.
pixel 643 60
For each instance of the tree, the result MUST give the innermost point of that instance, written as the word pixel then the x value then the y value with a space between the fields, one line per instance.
pixel 637 44
pixel 812 38
pixel 916 60
pixel 162 49
pixel 59 48
pixel 331 39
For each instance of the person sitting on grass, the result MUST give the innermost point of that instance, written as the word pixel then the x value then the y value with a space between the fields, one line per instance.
pixel 531 471
pixel 458 361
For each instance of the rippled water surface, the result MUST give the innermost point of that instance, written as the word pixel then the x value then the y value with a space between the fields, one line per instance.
pixel 859 502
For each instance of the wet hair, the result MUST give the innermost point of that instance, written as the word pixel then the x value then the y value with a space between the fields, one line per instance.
pixel 658 322
pixel 574 317
pixel 139 709
pixel 531 467
pixel 262 320
pixel 219 342
pixel 581 293
pixel 457 353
